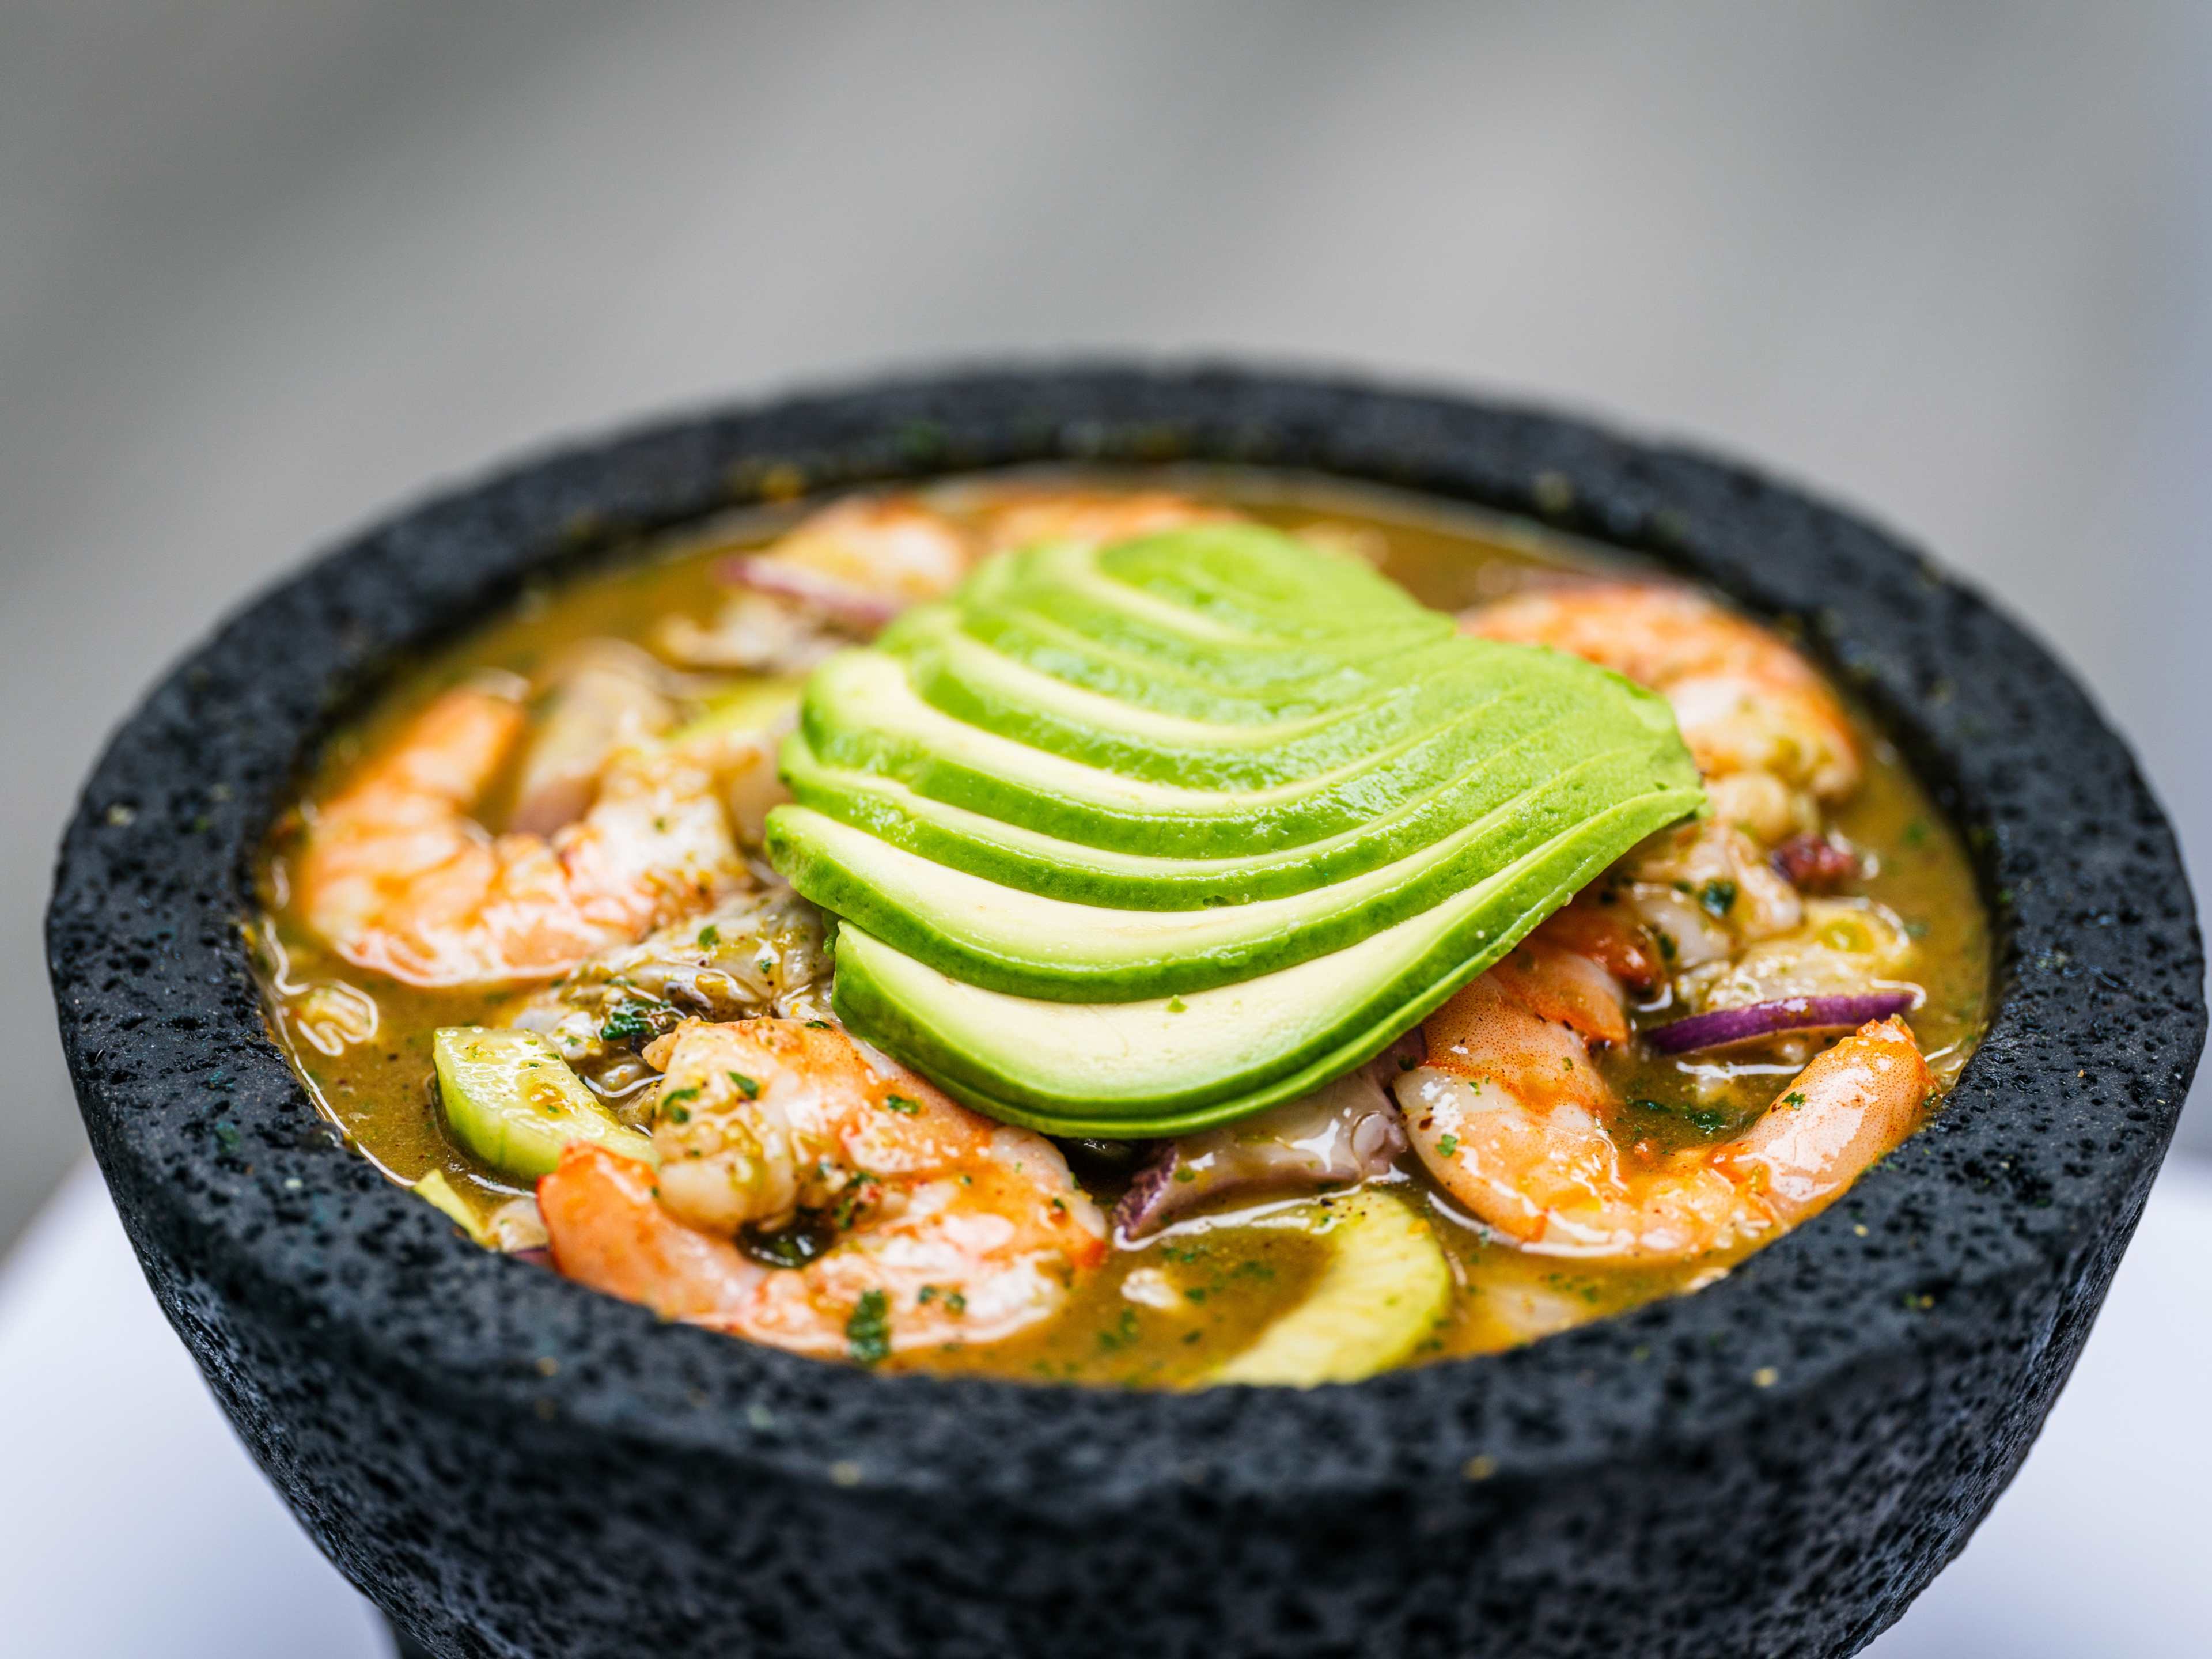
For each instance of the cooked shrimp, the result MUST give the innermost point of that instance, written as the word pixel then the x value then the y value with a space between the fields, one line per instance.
pixel 945 1226
pixel 1771 737
pixel 1702 893
pixel 607 696
pixel 1510 1116
pixel 1024 518
pixel 399 879
pixel 836 577
pixel 888 547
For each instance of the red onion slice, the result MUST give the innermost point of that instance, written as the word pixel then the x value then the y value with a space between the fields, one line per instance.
pixel 1814 863
pixel 833 599
pixel 1725 1026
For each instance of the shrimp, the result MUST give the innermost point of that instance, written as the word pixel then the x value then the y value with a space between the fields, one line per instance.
pixel 1770 736
pixel 887 547
pixel 943 1226
pixel 608 696
pixel 1510 1116
pixel 836 577
pixel 400 879
pixel 1097 516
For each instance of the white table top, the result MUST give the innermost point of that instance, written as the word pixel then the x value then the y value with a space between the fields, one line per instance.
pixel 132 1526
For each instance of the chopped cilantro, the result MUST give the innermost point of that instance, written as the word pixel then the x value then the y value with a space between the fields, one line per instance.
pixel 868 1330
pixel 746 1087
pixel 1121 1334
pixel 710 936
pixel 1717 896
pixel 1448 1145
pixel 627 1021
pixel 901 1103
pixel 1794 1097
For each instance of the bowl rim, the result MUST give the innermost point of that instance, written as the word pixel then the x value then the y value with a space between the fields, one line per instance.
pixel 223 1169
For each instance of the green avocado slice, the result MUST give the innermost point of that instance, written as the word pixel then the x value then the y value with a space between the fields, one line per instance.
pixel 1015 856
pixel 1356 618
pixel 960 675
pixel 862 713
pixel 1131 840
pixel 1029 945
pixel 1166 1066
pixel 1041 643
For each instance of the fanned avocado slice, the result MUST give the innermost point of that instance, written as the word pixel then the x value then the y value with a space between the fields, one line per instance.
pixel 1167 1065
pixel 1083 906
pixel 997 937
pixel 862 714
pixel 513 1102
pixel 1384 1290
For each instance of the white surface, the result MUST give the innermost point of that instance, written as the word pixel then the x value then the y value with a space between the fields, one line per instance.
pixel 133 1526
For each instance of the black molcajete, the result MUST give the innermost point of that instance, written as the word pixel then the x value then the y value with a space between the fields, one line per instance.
pixel 510 1465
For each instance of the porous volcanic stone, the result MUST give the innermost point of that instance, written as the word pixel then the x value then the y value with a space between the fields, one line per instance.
pixel 510 1465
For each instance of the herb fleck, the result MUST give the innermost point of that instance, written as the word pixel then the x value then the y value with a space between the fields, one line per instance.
pixel 746 1087
pixel 901 1104
pixel 1718 896
pixel 868 1329
pixel 628 1022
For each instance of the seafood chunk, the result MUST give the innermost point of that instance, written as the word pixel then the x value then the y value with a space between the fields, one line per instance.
pixel 1770 736
pixel 399 879
pixel 898 1219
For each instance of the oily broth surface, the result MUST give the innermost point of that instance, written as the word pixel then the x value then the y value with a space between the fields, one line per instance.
pixel 1165 1312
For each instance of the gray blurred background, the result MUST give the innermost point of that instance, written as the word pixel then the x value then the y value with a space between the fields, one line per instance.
pixel 268 268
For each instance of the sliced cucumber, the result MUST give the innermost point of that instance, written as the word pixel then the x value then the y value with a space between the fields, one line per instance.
pixel 434 1190
pixel 1386 1286
pixel 513 1102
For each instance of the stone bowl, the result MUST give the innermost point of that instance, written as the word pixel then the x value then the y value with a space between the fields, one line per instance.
pixel 508 1464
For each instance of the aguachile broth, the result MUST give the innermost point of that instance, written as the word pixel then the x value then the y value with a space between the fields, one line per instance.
pixel 1169 1310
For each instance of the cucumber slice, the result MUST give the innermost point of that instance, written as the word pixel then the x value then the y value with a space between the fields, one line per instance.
pixel 513 1102
pixel 1386 1286
pixel 434 1190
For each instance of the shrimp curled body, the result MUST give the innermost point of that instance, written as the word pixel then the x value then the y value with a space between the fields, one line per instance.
pixel 1770 736
pixel 1510 1117
pixel 955 1229
pixel 401 880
